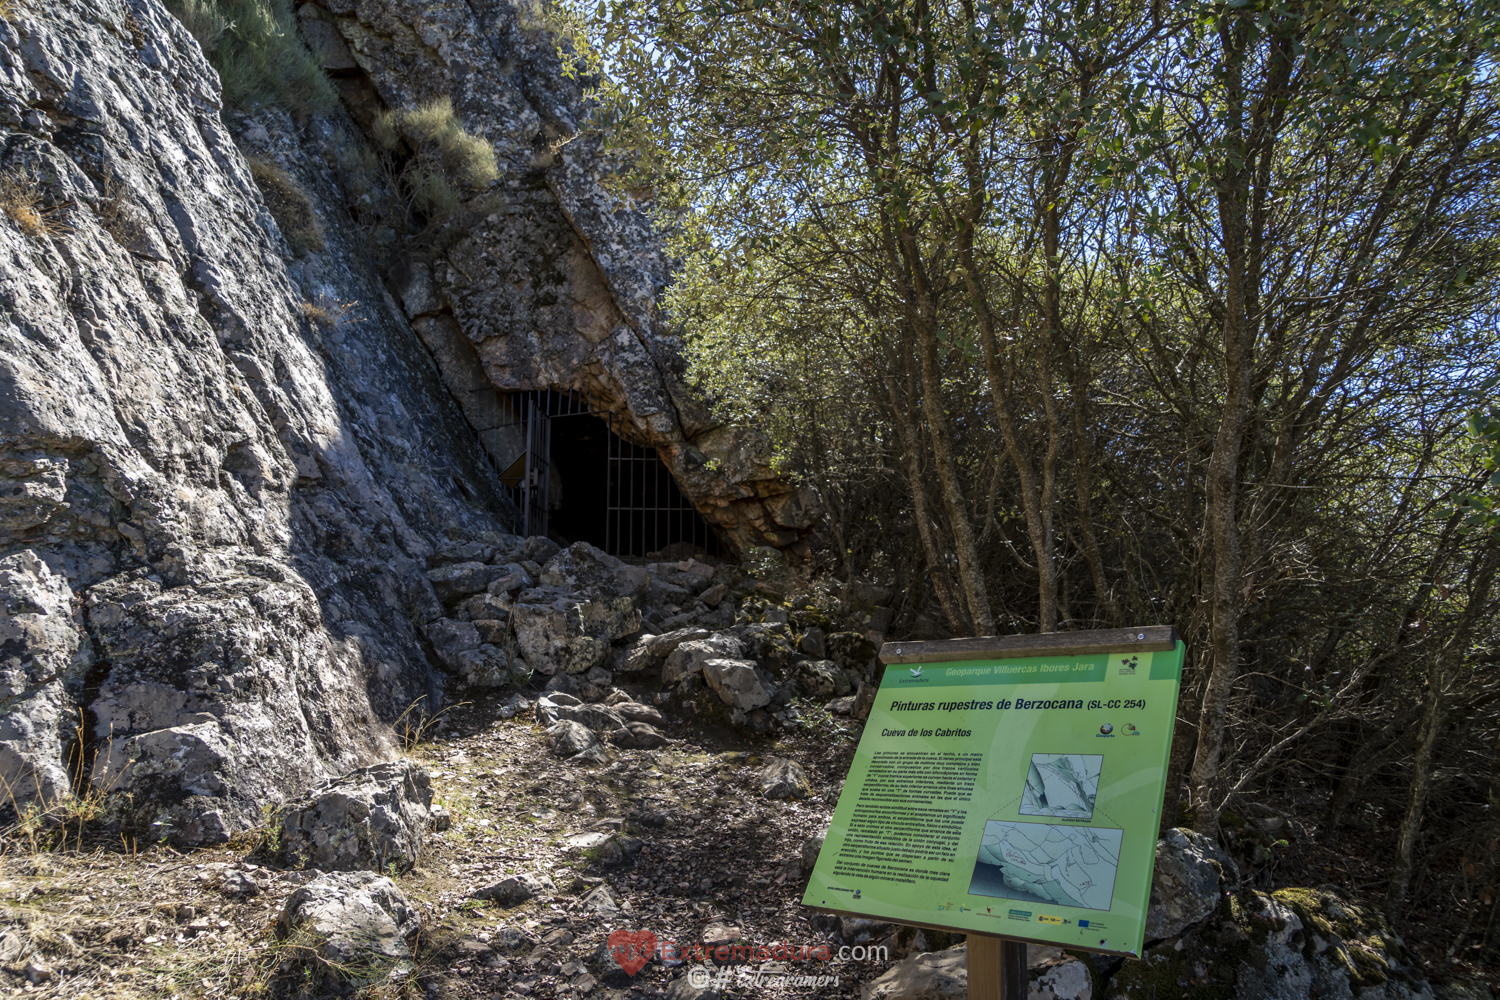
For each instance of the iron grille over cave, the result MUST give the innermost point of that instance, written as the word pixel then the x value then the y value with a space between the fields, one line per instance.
pixel 576 479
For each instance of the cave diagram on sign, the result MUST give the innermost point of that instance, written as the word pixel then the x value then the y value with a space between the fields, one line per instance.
pixel 1038 863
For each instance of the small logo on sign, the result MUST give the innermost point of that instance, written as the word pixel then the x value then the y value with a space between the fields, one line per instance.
pixel 916 671
pixel 1129 664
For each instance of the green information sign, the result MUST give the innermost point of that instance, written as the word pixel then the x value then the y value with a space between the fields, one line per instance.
pixel 1017 796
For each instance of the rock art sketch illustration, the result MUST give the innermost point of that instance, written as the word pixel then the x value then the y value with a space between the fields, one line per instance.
pixel 1061 784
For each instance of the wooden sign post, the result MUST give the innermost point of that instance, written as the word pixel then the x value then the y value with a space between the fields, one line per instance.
pixel 1009 788
pixel 997 968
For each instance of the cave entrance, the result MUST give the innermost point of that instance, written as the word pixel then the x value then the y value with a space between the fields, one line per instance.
pixel 576 479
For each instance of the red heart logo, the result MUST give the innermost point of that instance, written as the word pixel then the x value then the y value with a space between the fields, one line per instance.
pixel 631 950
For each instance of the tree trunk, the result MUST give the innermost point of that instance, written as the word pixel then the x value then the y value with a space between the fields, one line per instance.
pixel 923 317
pixel 1222 488
pixel 905 421
pixel 1433 709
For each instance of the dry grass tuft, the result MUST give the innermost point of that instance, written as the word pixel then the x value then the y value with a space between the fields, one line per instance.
pixel 447 163
pixel 261 58
pixel 21 199
pixel 289 206
pixel 329 313
pixel 118 217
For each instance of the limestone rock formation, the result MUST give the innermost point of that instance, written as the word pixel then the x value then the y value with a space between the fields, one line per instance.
pixel 1190 871
pixel 232 461
pixel 245 517
pixel 42 652
pixel 555 284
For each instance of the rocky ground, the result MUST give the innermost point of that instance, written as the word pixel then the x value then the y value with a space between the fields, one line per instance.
pixel 710 859
pixel 640 752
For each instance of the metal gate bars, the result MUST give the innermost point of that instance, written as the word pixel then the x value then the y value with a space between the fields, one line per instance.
pixel 644 509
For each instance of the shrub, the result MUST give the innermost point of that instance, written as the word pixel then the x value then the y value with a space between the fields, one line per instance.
pixel 289 206
pixel 261 59
pixel 445 159
pixel 118 217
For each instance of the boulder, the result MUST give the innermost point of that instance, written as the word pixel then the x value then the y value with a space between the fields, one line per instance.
pixel 1285 945
pixel 583 569
pixel 637 736
pixel 822 679
pixel 462 552
pixel 689 656
pixel 1050 974
pixel 634 711
pixel 370 818
pixel 770 645
pixel 597 718
pixel 349 930
pixel 695 983
pixel 1061 977
pixel 942 975
pixel 812 644
pixel 487 606
pixel 784 779
pixel 662 646
pixel 511 579
pixel 1190 872
pixel 853 651
pixel 712 596
pixel 569 739
pixel 807 857
pixel 515 889
pixel 538 549
pixel 556 631
pixel 148 769
pixel 460 646
pixel 635 656
pixel 737 683
pixel 451 638
pixel 456 581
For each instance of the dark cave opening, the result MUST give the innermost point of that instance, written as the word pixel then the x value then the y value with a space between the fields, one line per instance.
pixel 617 495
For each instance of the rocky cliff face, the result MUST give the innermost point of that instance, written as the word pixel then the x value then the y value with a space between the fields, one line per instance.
pixel 222 469
pixel 555 284
pixel 230 451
